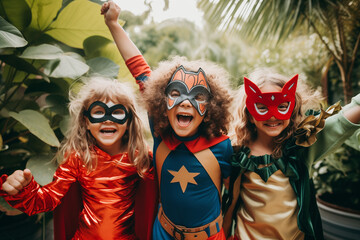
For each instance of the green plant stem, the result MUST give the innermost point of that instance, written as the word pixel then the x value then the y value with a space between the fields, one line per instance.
pixel 14 138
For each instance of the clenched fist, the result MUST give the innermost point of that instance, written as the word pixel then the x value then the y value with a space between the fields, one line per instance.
pixel 17 181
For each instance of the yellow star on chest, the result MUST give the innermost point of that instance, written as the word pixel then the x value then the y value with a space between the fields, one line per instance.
pixel 183 176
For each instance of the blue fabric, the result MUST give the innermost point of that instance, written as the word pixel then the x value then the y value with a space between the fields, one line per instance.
pixel 200 203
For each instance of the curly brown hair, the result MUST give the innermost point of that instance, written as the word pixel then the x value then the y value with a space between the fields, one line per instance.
pixel 217 117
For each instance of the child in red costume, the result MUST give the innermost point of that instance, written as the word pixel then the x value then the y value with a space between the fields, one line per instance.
pixel 105 153
pixel 188 106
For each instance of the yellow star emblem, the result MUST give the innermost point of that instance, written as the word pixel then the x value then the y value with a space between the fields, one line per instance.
pixel 183 177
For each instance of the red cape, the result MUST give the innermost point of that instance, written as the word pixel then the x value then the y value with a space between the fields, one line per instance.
pixel 66 215
pixel 195 145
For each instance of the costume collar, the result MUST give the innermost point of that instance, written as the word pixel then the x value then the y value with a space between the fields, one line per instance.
pixel 194 143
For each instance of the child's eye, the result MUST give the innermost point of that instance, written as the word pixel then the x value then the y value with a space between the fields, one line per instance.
pixel 97 112
pixel 174 94
pixel 261 107
pixel 283 107
pixel 118 114
pixel 201 98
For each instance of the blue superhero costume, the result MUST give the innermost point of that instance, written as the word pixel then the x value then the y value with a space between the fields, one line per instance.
pixel 188 195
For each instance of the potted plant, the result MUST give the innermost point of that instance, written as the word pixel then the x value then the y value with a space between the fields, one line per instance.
pixel 337 179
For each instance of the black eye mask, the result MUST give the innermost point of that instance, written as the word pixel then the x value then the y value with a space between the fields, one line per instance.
pixel 105 113
pixel 190 85
pixel 185 94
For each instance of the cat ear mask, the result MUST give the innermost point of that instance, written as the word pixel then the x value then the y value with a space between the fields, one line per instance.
pixel 271 100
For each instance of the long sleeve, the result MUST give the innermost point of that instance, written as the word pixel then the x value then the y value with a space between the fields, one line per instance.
pixel 139 69
pixel 34 199
pixel 337 129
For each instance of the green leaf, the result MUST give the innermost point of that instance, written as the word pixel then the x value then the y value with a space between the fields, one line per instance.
pixel 16 12
pixel 22 66
pixel 78 21
pixel 58 104
pixel 37 125
pixel 96 46
pixel 64 124
pixel 103 66
pixel 69 65
pixel 10 36
pixel 43 51
pixel 42 168
pixel 43 13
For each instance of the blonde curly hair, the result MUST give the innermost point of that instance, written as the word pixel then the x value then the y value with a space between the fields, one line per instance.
pixel 80 140
pixel 217 117
pixel 243 132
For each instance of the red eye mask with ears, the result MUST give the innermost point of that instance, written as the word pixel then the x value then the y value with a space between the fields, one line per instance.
pixel 271 100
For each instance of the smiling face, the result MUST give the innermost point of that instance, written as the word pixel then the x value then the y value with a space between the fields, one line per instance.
pixel 271 127
pixel 107 124
pixel 184 119
pixel 187 95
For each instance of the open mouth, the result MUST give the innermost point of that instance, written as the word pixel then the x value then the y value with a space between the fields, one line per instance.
pixel 272 124
pixel 108 131
pixel 184 119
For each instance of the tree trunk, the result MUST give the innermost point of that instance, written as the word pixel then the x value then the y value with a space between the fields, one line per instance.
pixel 346 83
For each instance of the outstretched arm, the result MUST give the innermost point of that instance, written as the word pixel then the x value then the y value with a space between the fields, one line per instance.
pixel 352 111
pixel 127 48
pixel 338 128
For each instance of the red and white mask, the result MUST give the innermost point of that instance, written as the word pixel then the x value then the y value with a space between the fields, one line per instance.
pixel 271 100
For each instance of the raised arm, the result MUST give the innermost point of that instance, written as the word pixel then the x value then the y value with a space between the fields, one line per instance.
pixel 127 48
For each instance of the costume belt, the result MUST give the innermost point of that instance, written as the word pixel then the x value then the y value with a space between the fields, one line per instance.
pixel 183 233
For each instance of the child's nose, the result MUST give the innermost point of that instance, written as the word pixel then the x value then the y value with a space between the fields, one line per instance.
pixel 185 103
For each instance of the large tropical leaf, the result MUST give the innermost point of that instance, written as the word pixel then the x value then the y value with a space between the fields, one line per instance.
pixel 43 13
pixel 68 65
pixel 103 66
pixel 37 125
pixel 78 21
pixel 43 51
pixel 42 167
pixel 261 20
pixel 17 12
pixel 10 36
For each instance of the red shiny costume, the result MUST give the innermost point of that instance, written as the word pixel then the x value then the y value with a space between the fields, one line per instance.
pixel 108 196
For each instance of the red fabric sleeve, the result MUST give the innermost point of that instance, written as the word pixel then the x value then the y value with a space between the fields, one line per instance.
pixel 34 199
pixel 139 69
pixel 2 180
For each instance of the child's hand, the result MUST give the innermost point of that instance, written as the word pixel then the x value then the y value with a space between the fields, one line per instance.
pixel 17 181
pixel 111 12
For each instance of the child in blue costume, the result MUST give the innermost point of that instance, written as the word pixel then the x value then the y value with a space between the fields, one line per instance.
pixel 188 105
pixel 271 191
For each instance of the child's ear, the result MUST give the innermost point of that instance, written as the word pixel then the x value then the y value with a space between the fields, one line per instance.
pixel 87 123
pixel 251 118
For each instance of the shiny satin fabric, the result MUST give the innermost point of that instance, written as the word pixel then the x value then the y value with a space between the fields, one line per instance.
pixel 108 196
pixel 269 209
